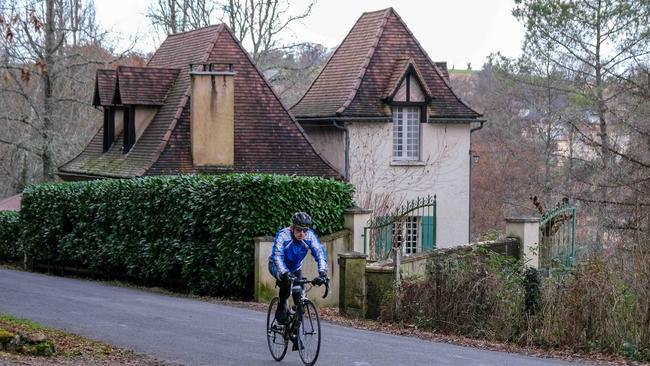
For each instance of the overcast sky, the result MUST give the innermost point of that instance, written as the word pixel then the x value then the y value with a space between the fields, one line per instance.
pixel 456 31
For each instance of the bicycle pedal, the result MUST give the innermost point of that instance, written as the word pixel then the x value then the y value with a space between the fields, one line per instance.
pixel 277 327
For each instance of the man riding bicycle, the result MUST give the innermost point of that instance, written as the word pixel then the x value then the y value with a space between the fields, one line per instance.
pixel 290 248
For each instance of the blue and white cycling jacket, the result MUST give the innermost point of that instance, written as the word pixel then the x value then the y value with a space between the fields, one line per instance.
pixel 288 253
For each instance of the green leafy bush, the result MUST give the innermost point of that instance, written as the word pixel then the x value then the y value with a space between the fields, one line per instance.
pixel 9 233
pixel 197 228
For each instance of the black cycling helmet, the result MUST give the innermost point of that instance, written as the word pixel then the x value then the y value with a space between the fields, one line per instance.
pixel 301 219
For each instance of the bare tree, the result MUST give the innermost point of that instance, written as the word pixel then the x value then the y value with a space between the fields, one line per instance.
pixel 594 43
pixel 48 56
pixel 175 16
pixel 260 22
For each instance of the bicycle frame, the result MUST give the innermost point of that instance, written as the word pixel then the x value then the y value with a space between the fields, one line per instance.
pixel 297 318
pixel 296 329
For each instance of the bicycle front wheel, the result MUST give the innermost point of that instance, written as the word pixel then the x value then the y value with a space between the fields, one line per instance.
pixel 309 334
pixel 275 333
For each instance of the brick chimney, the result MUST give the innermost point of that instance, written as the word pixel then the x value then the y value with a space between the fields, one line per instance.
pixel 212 115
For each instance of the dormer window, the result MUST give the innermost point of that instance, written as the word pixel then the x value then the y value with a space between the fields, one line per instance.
pixel 408 97
pixel 140 92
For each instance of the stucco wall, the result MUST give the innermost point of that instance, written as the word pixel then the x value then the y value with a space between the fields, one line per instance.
pixel 443 170
pixel 330 142
pixel 143 116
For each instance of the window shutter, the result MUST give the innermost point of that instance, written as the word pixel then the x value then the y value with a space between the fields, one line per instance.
pixel 428 233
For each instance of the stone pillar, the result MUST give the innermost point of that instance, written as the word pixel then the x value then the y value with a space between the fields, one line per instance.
pixel 352 285
pixel 380 281
pixel 356 219
pixel 264 282
pixel 526 229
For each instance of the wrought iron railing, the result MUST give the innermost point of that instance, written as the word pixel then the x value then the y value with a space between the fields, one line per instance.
pixel 410 229
pixel 557 237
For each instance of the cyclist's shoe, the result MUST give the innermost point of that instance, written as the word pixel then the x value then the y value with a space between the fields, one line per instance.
pixel 281 316
pixel 297 344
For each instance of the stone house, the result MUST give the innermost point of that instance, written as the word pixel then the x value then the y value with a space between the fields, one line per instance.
pixel 386 117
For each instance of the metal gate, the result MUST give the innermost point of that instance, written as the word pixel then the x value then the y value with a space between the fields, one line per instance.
pixel 557 237
pixel 411 229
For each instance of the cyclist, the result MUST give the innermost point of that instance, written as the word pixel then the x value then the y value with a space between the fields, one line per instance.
pixel 290 248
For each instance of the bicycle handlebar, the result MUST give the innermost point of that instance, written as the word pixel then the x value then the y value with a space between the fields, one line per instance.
pixel 317 281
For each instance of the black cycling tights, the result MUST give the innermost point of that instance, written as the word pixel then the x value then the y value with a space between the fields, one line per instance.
pixel 285 289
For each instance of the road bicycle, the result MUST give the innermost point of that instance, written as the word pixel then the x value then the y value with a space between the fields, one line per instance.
pixel 303 327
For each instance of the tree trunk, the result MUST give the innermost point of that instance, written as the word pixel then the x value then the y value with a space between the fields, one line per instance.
pixel 46 155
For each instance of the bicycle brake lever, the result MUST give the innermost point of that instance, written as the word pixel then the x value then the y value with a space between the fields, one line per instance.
pixel 327 287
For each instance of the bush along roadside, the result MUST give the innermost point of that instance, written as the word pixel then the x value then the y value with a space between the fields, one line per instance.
pixel 10 249
pixel 198 229
pixel 593 307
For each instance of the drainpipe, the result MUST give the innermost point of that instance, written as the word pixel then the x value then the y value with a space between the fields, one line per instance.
pixel 471 161
pixel 347 148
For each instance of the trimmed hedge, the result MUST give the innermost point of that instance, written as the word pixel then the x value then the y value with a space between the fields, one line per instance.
pixel 195 228
pixel 9 233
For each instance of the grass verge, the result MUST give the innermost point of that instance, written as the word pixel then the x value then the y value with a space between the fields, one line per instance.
pixel 71 349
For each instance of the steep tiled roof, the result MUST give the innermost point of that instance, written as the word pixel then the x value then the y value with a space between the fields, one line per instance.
pixel 143 85
pixel 337 83
pixel 267 138
pixel 353 82
pixel 104 87
pixel 400 68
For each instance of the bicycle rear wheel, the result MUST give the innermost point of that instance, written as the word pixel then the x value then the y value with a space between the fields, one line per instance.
pixel 275 333
pixel 309 334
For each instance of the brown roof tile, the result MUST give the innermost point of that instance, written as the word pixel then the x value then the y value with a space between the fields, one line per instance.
pixel 143 85
pixel 177 51
pixel 104 87
pixel 354 81
pixel 267 138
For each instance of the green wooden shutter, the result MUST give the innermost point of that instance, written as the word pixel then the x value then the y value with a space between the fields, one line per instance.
pixel 428 232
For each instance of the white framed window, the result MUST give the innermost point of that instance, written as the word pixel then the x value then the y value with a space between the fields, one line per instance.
pixel 406 133
pixel 407 235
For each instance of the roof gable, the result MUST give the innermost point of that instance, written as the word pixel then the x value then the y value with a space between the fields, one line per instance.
pixel 143 85
pixel 406 68
pixel 365 90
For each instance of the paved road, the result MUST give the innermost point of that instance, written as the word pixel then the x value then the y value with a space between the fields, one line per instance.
pixel 193 332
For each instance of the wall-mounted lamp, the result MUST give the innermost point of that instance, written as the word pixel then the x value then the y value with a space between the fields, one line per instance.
pixel 475 157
